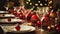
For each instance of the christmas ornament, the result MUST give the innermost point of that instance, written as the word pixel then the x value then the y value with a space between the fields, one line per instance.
pixel 46 18
pixel 53 14
pixel 34 18
pixel 9 19
pixel 21 16
pixel 17 27
pixel 10 10
pixel 49 27
pixel 39 23
pixel 15 13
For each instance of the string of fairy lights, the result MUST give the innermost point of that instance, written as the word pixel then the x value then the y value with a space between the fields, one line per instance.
pixel 38 3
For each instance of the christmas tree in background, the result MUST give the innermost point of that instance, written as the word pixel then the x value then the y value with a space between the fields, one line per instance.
pixel 37 3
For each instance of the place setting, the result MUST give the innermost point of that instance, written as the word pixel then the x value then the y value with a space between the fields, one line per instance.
pixel 17 28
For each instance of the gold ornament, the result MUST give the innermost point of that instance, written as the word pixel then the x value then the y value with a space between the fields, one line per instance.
pixel 38 1
pixel 50 6
pixel 30 3
pixel 49 27
pixel 52 26
pixel 27 2
pixel 36 4
pixel 41 4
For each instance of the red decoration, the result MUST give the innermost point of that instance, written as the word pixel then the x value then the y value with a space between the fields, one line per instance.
pixel 9 19
pixel 46 18
pixel 17 27
pixel 20 13
pixel 57 27
pixel 39 23
pixel 34 18
pixel 29 14
pixel 15 13
pixel 10 11
pixel 21 16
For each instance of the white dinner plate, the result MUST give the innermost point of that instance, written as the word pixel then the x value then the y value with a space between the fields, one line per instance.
pixel 7 15
pixel 3 11
pixel 12 20
pixel 23 29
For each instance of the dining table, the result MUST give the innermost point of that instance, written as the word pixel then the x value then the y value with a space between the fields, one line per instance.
pixel 4 23
pixel 35 31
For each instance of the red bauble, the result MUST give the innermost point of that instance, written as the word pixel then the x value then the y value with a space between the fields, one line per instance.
pixel 17 27
pixel 20 13
pixel 48 23
pixel 9 19
pixel 57 27
pixel 34 17
pixel 46 18
pixel 15 13
pixel 39 23
pixel 28 16
pixel 21 17
pixel 10 11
